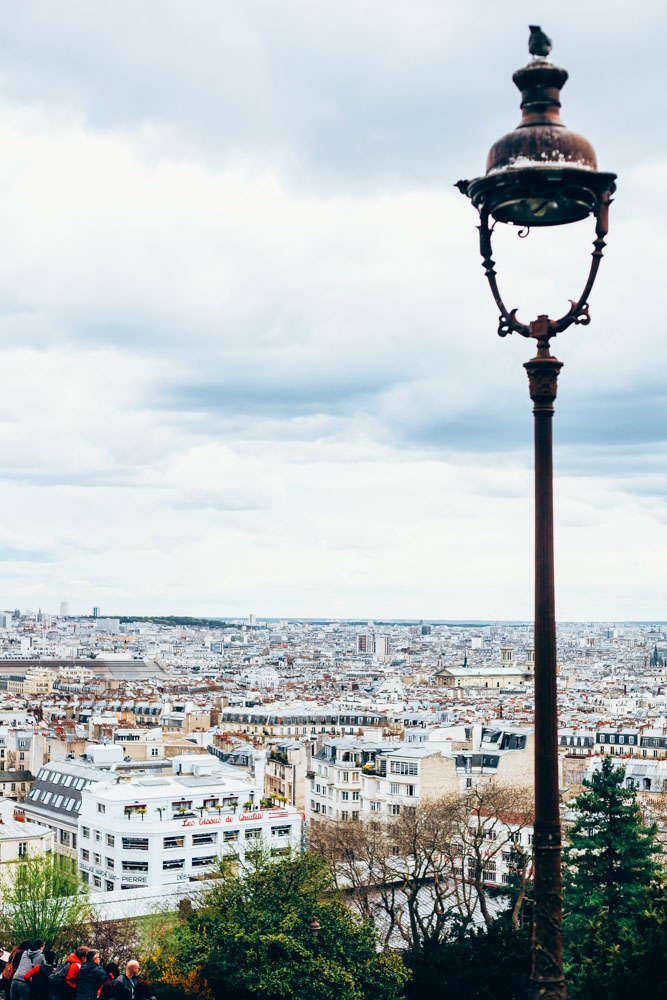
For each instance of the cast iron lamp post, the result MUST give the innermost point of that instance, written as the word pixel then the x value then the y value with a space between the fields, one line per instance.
pixel 541 174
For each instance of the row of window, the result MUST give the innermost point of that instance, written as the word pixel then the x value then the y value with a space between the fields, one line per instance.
pixel 97 835
pixel 178 841
pixel 404 766
pixel 59 777
pixel 316 807
pixel 55 799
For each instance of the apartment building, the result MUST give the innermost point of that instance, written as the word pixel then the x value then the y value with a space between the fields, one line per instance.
pixel 152 831
pixel 287 764
pixel 54 801
pixel 20 839
pixel 403 776
pixel 355 779
pixel 270 724
pixel 333 785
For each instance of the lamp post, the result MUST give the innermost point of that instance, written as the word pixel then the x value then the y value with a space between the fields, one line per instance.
pixel 541 174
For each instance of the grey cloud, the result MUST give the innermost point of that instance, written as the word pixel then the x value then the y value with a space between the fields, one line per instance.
pixel 344 89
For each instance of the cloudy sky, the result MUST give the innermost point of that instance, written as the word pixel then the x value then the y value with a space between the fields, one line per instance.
pixel 249 360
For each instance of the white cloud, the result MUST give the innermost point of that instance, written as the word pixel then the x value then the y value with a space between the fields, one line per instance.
pixel 249 358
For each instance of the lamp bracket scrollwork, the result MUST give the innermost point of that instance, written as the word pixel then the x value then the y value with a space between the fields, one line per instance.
pixel 579 313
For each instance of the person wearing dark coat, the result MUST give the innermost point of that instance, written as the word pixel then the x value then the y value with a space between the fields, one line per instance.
pixel 91 977
pixel 38 977
pixel 143 991
pixel 124 985
pixel 107 991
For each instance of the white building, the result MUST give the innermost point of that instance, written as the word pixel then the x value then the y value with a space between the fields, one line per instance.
pixel 18 838
pixel 151 831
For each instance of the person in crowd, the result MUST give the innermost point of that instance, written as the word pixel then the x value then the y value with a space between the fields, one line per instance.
pixel 90 978
pixel 38 977
pixel 143 990
pixel 75 960
pixel 12 965
pixel 107 991
pixel 31 956
pixel 125 985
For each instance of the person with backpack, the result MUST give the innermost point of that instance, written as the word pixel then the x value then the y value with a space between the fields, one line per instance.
pixel 91 977
pixel 32 956
pixel 38 978
pixel 62 981
pixel 12 965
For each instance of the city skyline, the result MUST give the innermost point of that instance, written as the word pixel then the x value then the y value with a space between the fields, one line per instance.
pixel 249 360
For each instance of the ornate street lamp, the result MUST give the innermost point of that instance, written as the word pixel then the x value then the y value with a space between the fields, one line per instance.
pixel 541 174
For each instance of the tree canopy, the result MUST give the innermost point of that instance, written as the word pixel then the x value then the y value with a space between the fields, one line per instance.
pixel 249 937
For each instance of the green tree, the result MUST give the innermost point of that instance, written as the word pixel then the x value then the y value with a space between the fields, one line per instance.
pixel 614 901
pixel 249 937
pixel 478 963
pixel 43 897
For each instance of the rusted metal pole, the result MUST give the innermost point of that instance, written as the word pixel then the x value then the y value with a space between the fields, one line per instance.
pixel 547 951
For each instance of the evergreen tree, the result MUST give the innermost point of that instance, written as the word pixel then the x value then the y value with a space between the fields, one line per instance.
pixel 612 884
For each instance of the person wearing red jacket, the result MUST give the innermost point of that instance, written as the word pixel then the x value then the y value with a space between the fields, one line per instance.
pixel 75 960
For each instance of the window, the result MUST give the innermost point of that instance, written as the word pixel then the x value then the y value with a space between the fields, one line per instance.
pixel 109 886
pixel 230 835
pixel 173 864
pixel 154 751
pixel 182 804
pixel 254 833
pixel 135 843
pixel 84 876
pixel 110 840
pixel 97 882
pixel 355 796
pixel 344 796
pixel 64 837
pixel 97 860
pixel 204 838
pixel 135 866
pixel 110 862
pixel 375 806
pixel 395 788
pixel 468 782
pixel 98 835
pixel 394 810
pixel 85 854
pixel 23 849
pixel 410 790
pixel 56 802
pixel 170 842
pixel 203 862
pixel 345 814
pixel 404 767
pixel 280 831
pixel 101 808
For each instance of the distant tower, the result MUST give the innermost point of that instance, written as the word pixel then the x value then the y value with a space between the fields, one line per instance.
pixel 381 645
pixel 530 661
pixel 252 621
pixel 96 611
pixel 64 609
pixel 366 643
pixel 506 657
